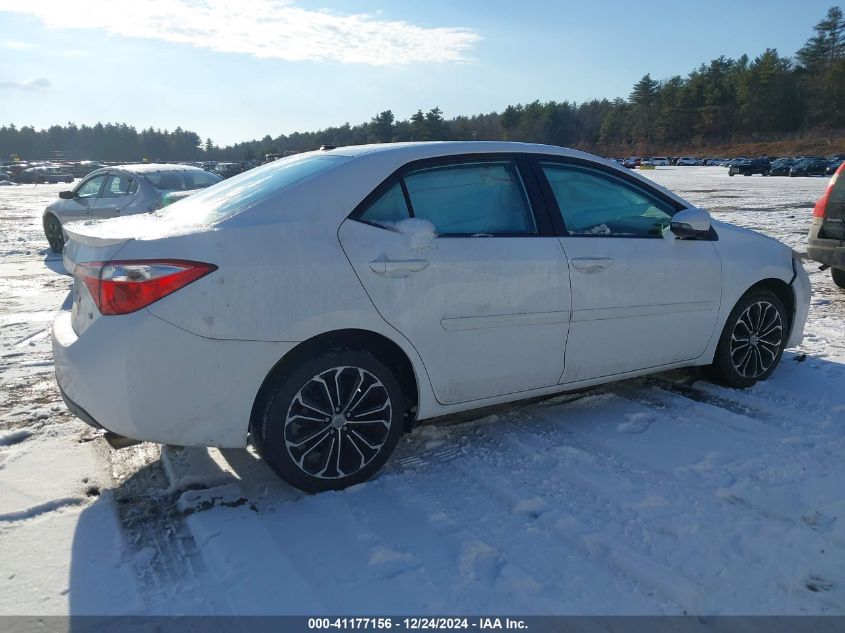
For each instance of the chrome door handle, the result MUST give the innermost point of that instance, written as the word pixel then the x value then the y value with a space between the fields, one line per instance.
pixel 591 265
pixel 398 268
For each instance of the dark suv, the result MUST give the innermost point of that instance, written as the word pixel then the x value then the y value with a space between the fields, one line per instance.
pixel 826 242
pixel 749 167
pixel 810 166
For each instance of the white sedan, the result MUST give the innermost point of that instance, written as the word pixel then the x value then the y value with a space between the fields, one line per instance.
pixel 325 302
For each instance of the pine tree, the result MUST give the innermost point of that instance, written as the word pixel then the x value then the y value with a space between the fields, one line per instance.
pixel 381 127
pixel 643 97
pixel 827 46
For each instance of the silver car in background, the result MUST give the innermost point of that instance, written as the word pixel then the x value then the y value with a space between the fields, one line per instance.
pixel 123 190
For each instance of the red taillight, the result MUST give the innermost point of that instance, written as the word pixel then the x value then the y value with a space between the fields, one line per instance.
pixel 124 286
pixel 821 204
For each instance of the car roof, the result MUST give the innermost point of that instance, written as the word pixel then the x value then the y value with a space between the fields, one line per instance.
pixel 429 149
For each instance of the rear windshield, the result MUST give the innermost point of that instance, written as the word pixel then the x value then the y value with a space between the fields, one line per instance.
pixel 246 190
pixel 181 180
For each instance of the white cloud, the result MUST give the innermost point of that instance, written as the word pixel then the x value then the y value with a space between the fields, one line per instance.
pixel 36 83
pixel 274 29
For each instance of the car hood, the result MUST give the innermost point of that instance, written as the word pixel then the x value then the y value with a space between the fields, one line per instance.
pixel 723 227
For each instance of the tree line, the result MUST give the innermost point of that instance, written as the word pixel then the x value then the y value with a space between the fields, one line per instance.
pixel 724 101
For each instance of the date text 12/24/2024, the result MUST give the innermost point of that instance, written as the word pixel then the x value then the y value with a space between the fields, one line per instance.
pixel 433 623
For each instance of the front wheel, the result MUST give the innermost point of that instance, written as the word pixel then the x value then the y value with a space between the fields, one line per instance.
pixel 838 275
pixel 53 232
pixel 332 422
pixel 752 342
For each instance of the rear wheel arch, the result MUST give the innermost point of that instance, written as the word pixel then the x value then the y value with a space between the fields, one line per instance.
pixel 381 347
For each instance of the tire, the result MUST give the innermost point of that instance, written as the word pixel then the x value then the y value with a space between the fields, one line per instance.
pixel 328 393
pixel 838 275
pixel 53 233
pixel 759 318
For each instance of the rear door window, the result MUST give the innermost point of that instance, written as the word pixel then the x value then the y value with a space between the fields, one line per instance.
pixel 117 186
pixel 468 198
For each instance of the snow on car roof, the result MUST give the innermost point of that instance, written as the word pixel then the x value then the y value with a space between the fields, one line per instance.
pixel 143 168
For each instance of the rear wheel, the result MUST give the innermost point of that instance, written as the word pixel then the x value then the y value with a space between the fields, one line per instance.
pixel 838 275
pixel 752 342
pixel 330 423
pixel 53 232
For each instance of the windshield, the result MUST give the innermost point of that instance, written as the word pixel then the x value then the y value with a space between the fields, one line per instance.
pixel 181 179
pixel 246 190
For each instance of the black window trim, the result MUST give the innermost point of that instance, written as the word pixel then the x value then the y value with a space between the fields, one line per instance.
pixel 557 220
pixel 536 202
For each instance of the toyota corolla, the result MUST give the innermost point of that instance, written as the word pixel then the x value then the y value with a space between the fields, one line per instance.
pixel 324 303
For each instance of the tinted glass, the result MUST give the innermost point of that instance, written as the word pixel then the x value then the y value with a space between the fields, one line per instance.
pixel 593 203
pixel 199 179
pixel 388 209
pixel 116 187
pixel 90 188
pixel 484 198
pixel 165 180
pixel 229 197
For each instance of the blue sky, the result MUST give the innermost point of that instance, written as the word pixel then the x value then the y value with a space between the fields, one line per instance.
pixel 239 70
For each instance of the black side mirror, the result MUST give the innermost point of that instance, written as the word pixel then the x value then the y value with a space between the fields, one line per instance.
pixel 66 195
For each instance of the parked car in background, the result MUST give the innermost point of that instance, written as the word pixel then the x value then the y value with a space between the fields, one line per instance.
pixel 227 170
pixel 632 162
pixel 82 168
pixel 660 161
pixel 750 167
pixel 122 190
pixel 47 175
pixel 201 333
pixel 781 166
pixel 833 165
pixel 826 241
pixel 810 166
pixel 688 161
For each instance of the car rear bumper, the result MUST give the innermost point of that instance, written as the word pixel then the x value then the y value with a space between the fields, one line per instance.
pixel 143 378
pixel 825 251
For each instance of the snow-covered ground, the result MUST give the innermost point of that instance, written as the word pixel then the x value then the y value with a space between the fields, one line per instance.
pixel 661 495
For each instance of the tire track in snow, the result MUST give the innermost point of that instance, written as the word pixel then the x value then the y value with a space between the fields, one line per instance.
pixel 161 548
pixel 507 514
pixel 675 497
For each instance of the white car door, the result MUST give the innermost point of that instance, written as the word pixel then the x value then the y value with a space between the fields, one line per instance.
pixel 641 297
pixel 485 297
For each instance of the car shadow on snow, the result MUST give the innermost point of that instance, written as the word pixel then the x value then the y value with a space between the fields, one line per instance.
pixel 54 262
